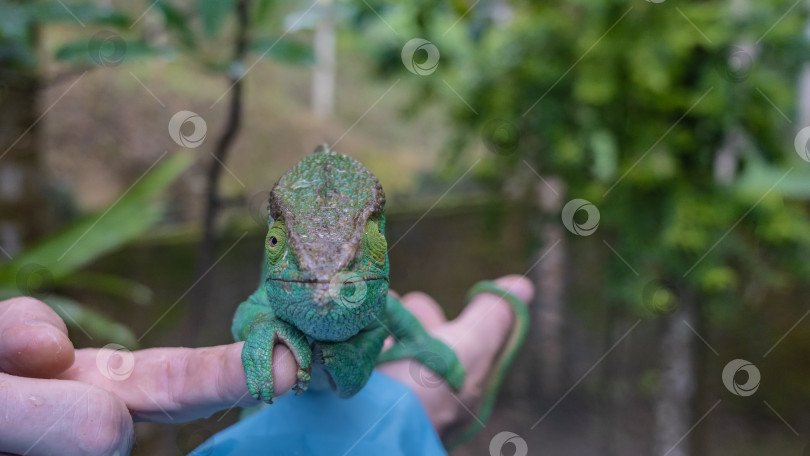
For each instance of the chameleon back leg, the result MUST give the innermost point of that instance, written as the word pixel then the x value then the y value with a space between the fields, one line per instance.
pixel 412 341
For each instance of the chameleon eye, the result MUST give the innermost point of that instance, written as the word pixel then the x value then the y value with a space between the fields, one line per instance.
pixel 374 242
pixel 276 241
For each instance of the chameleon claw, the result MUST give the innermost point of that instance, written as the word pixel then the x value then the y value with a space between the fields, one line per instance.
pixel 257 357
pixel 317 354
pixel 303 381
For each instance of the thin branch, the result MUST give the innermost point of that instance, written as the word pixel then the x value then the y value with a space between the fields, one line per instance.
pixel 215 167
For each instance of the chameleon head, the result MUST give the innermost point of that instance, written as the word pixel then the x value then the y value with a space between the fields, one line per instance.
pixel 326 251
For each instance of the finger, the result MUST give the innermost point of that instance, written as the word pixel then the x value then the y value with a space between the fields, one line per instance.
pixel 424 308
pixel 46 417
pixel 178 384
pixel 488 311
pixel 33 339
pixel 517 285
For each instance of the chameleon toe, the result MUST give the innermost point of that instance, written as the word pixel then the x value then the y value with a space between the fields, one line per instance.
pixel 257 359
pixel 302 383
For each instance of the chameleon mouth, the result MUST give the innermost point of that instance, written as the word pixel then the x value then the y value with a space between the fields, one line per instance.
pixel 346 278
pixel 328 310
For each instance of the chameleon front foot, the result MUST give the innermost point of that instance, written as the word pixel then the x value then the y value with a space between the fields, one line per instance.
pixel 257 357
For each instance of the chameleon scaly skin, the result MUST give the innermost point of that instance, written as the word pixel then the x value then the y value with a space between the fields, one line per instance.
pixel 324 291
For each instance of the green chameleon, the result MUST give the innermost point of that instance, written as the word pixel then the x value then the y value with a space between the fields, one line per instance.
pixel 324 289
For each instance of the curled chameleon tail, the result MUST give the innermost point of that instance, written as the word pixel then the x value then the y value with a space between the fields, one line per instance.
pixel 500 368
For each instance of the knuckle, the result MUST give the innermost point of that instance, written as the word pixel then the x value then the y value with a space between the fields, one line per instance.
pixel 94 424
pixel 174 372
pixel 109 424
pixel 26 304
pixel 24 308
pixel 72 419
pixel 415 296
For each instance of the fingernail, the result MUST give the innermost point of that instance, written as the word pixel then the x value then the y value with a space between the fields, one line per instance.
pixel 38 323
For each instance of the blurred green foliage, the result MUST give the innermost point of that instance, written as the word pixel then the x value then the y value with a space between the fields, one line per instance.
pixel 107 35
pixel 56 263
pixel 196 30
pixel 19 20
pixel 630 103
pixel 675 119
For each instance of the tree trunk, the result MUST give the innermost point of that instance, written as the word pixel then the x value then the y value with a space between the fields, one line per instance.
pixel 804 95
pixel 197 310
pixel 674 400
pixel 549 280
pixel 612 411
pixel 23 209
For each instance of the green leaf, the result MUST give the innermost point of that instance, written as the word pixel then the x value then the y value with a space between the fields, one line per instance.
pixel 86 53
pixel 17 43
pixel 130 216
pixel 91 322
pixel 14 21
pixel 759 178
pixel 283 50
pixel 178 23
pixel 213 14
pixel 109 284
pixel 262 10
pixel 83 13
pixel 605 155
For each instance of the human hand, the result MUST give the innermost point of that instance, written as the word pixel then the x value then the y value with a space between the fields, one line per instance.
pixel 54 400
pixel 59 401
pixel 40 416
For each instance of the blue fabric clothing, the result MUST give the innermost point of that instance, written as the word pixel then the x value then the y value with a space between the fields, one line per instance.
pixel 384 418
